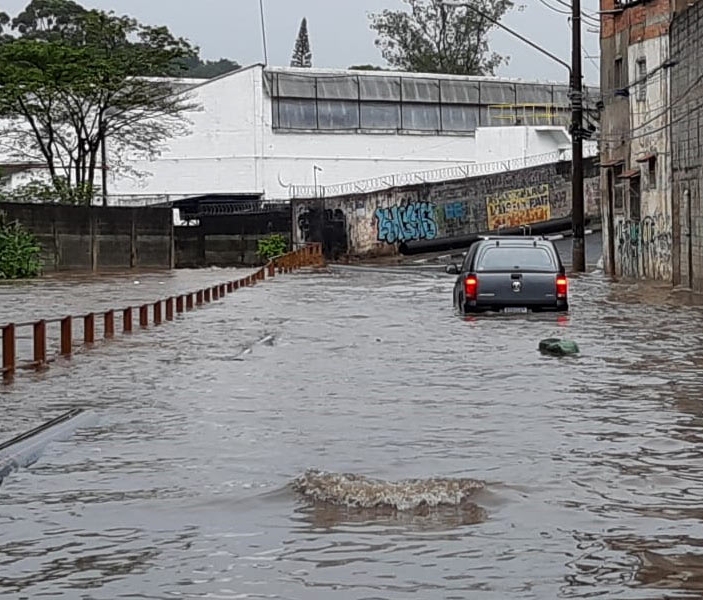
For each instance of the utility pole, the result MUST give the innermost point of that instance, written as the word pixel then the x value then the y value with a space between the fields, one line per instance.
pixel 576 94
pixel 578 252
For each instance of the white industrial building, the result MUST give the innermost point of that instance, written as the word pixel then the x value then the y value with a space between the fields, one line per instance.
pixel 275 132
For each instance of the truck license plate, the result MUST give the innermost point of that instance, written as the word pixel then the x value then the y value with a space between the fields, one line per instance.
pixel 515 309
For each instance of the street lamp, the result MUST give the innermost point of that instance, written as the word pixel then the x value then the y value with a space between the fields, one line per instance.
pixel 315 169
pixel 263 31
pixel 576 129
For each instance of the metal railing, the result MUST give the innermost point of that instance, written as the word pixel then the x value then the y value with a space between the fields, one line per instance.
pixel 105 325
pixel 465 171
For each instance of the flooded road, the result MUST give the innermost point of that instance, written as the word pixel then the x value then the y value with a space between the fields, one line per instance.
pixel 518 475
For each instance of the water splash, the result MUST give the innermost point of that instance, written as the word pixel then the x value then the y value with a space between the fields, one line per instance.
pixel 345 489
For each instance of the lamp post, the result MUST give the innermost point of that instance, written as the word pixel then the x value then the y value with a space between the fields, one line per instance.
pixel 315 169
pixel 263 32
pixel 576 129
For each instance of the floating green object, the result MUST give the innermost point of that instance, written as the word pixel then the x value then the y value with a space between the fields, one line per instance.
pixel 558 347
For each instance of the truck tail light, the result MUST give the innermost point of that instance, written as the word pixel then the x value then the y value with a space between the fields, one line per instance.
pixel 562 287
pixel 471 287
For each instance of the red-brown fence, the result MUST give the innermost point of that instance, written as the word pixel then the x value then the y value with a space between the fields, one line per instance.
pixel 112 322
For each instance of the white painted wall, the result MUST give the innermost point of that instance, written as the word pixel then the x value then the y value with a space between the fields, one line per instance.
pixel 649 121
pixel 643 247
pixel 233 149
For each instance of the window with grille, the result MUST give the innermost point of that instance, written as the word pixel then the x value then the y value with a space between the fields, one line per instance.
pixel 641 75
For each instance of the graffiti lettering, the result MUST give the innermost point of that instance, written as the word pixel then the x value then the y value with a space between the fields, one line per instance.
pixel 644 247
pixel 454 210
pixel 409 221
pixel 513 208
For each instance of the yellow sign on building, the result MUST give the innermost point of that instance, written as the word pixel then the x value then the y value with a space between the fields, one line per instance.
pixel 523 206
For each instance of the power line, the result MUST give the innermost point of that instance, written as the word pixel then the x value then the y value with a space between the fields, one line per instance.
pixel 664 112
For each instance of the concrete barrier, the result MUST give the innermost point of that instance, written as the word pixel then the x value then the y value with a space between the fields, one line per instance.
pixel 309 255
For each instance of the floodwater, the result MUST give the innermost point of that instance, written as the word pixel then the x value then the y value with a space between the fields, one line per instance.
pixel 342 435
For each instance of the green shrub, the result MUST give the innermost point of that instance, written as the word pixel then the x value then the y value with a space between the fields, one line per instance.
pixel 272 246
pixel 19 251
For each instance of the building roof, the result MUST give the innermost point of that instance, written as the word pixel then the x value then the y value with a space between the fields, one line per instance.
pixel 337 73
pixel 320 72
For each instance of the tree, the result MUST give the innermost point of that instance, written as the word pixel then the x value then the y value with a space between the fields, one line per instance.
pixel 436 38
pixel 302 55
pixel 366 68
pixel 4 22
pixel 74 78
pixel 197 68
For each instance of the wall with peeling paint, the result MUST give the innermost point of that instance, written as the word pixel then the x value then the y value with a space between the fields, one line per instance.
pixel 377 223
pixel 635 155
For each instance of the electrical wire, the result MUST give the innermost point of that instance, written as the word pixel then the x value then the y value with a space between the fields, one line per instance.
pixel 592 15
pixel 656 117
pixel 584 15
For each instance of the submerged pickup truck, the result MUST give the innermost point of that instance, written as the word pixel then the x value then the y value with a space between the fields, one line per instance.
pixel 510 274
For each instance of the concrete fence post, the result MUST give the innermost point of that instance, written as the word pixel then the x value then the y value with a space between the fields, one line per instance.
pixel 169 309
pixel 8 352
pixel 144 316
pixel 127 320
pixel 89 329
pixel 179 305
pixel 109 326
pixel 66 336
pixel 39 335
pixel 157 313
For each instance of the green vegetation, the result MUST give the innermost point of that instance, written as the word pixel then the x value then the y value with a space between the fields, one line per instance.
pixel 435 38
pixel 71 78
pixel 302 54
pixel 197 68
pixel 272 246
pixel 19 251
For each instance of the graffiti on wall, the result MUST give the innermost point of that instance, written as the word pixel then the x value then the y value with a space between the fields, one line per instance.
pixel 644 247
pixel 454 210
pixel 522 206
pixel 591 191
pixel 406 222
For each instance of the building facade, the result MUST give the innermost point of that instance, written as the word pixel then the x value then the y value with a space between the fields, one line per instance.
pixel 636 166
pixel 686 142
pixel 283 132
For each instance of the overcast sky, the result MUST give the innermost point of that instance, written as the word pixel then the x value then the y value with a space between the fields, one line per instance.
pixel 339 31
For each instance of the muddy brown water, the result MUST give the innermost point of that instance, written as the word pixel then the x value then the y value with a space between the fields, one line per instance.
pixel 183 488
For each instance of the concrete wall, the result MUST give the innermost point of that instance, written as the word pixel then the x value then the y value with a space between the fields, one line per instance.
pixel 234 148
pixel 686 147
pixel 81 238
pixel 376 223
pixel 228 240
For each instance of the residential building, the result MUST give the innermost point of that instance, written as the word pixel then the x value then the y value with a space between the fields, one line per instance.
pixel 686 144
pixel 636 170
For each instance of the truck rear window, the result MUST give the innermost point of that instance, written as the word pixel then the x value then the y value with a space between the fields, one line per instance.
pixel 516 259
